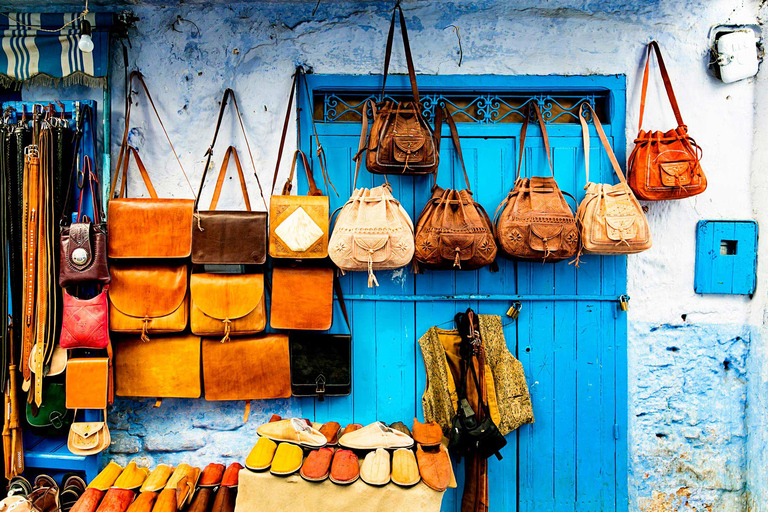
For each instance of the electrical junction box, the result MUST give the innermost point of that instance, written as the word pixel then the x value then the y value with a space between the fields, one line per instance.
pixel 737 55
pixel 726 257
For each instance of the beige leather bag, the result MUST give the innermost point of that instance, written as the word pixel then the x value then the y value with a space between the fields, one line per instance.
pixel 89 437
pixel 610 217
pixel 372 232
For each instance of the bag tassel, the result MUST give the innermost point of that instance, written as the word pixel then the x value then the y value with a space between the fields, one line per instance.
pixel 227 323
pixel 247 412
pixel 372 281
pixel 457 259
pixel 144 329
pixel 199 226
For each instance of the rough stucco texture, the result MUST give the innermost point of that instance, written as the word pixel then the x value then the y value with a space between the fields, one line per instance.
pixel 687 376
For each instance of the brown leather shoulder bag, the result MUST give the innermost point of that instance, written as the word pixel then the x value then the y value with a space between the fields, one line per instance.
pixel 453 231
pixel 229 237
pixel 664 165
pixel 401 141
pixel 536 222
pixel 129 219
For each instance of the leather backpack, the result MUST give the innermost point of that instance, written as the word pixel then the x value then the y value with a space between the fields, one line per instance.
pixel 401 141
pixel 610 217
pixel 664 165
pixel 536 222
pixel 453 232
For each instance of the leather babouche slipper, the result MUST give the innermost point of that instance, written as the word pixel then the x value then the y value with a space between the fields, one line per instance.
pixel 107 477
pixel 183 480
pixel 261 455
pixel 405 470
pixel 231 475
pixel 374 436
pixel 89 501
pixel 376 468
pixel 211 475
pixel 317 465
pixel 225 499
pixel 402 427
pixel 427 434
pixel 116 500
pixel 132 477
pixel 287 459
pixel 331 432
pixel 295 431
pixel 145 502
pixel 435 467
pixel 275 417
pixel 202 500
pixel 350 428
pixel 345 469
pixel 166 501
pixel 157 479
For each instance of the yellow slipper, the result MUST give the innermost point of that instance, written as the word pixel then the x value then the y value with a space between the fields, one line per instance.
pixel 107 477
pixel 132 477
pixel 157 478
pixel 287 460
pixel 405 470
pixel 261 455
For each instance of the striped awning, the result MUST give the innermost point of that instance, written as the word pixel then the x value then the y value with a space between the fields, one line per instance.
pixel 32 55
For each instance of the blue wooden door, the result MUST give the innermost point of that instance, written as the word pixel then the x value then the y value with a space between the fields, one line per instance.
pixel 570 335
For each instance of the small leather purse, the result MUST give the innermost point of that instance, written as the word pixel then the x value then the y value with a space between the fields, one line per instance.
pixel 302 298
pixel 89 437
pixel 229 237
pixel 85 322
pixel 87 381
pixel 227 304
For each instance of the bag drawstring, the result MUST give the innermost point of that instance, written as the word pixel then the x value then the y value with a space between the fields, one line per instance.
pixel 144 329
pixel 227 330
pixel 457 258
pixel 372 281
pixel 199 226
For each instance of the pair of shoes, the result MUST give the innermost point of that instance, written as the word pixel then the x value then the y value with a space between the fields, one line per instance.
pixel 403 469
pixel 73 486
pixel 374 436
pixel 434 466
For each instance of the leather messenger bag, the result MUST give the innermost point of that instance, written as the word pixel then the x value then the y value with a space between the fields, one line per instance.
pixel 131 219
pixel 229 237
pixel 227 304
pixel 302 297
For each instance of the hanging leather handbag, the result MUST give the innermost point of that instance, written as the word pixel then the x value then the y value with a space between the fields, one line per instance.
pixel 148 299
pixel 664 165
pixel 229 237
pixel 129 219
pixel 372 232
pixel 89 437
pixel 302 298
pixel 164 367
pixel 52 418
pixel 610 217
pixel 298 225
pixel 85 322
pixel 453 232
pixel 321 363
pixel 87 383
pixel 536 222
pixel 401 141
pixel 227 304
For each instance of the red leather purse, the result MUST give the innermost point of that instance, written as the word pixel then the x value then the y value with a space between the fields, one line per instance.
pixel 85 322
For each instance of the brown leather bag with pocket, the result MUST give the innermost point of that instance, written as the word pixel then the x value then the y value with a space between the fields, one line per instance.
pixel 302 298
pixel 229 237
pixel 401 141
pixel 227 304
pixel 148 299
pixel 453 232
pixel 130 219
pixel 536 222
pixel 664 165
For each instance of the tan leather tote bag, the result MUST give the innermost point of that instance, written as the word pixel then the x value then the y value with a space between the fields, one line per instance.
pixel 610 217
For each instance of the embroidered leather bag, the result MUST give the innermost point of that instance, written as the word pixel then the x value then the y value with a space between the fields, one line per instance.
pixel 536 222
pixel 225 236
pixel 664 165
pixel 89 437
pixel 453 232
pixel 401 141
pixel 85 322
pixel 227 304
pixel 130 219
pixel 610 217
pixel 372 232
pixel 148 299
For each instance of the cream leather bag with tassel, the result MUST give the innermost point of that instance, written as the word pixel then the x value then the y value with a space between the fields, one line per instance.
pixel 372 232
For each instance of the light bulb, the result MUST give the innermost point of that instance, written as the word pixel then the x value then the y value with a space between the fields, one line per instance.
pixel 86 43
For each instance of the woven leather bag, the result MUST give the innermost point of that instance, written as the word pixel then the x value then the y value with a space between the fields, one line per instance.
pixel 85 322
pixel 148 299
pixel 372 232
pixel 664 165
pixel 229 237
pixel 610 217
pixel 227 304
pixel 401 140
pixel 453 232
pixel 536 222
pixel 130 218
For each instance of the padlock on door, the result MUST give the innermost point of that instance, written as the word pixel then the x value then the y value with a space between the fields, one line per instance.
pixel 514 311
pixel 624 302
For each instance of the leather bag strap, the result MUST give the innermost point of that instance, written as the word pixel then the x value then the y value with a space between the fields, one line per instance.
pixel 408 56
pixel 294 83
pixel 601 133
pixel 313 190
pixel 320 151
pixel 537 112
pixel 229 94
pixel 653 46
pixel 231 151
pixel 457 143
pixel 342 304
pixel 142 170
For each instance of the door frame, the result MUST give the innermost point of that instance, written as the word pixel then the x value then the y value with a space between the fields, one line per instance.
pixel 615 127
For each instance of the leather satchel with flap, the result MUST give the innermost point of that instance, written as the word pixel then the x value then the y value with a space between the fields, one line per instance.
pixel 302 298
pixel 164 367
pixel 89 437
pixel 227 304
pixel 87 383
pixel 131 219
pixel 148 299
pixel 229 237
pixel 52 418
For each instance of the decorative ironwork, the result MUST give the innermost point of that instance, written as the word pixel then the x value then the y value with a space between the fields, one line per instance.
pixel 467 108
